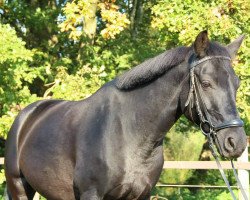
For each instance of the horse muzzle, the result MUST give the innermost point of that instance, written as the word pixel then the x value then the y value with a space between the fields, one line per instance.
pixel 231 142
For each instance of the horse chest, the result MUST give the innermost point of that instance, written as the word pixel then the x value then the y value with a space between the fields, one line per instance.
pixel 139 177
pixel 137 183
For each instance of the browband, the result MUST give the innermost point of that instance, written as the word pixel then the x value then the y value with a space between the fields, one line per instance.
pixel 197 62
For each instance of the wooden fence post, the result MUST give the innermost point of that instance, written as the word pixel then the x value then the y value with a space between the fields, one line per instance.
pixel 244 174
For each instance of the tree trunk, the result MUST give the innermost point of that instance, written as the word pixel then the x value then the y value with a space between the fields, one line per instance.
pixel 135 17
pixel 90 21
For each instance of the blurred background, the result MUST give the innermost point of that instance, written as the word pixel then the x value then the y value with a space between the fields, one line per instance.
pixel 68 49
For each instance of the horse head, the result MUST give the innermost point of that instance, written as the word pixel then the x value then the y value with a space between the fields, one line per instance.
pixel 212 90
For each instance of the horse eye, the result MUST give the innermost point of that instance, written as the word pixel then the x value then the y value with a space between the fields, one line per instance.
pixel 205 84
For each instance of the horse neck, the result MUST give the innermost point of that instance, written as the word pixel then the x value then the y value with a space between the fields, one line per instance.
pixel 156 107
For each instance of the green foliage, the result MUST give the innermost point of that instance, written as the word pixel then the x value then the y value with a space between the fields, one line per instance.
pixel 183 20
pixel 75 87
pixel 191 145
pixel 12 48
pixel 15 76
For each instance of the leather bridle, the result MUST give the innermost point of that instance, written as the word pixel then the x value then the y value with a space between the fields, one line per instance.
pixel 195 99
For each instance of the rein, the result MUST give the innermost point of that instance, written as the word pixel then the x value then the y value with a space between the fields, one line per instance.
pixel 196 99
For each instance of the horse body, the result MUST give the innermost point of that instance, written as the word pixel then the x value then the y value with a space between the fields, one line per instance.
pixel 105 133
pixel 108 146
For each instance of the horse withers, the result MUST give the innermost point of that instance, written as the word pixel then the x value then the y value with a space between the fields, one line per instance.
pixel 110 145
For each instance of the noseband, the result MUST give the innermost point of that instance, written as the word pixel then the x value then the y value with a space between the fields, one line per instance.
pixel 195 98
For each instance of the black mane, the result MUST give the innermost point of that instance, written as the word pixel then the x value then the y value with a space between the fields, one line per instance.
pixel 155 67
pixel 151 68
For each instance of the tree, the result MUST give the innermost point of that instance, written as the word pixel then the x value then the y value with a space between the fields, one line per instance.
pixel 15 77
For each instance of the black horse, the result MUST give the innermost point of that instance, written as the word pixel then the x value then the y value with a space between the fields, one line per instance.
pixel 110 145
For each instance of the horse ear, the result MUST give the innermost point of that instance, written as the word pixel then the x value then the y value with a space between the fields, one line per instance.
pixel 234 46
pixel 201 44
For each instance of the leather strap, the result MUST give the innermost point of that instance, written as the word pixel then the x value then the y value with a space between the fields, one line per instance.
pixel 230 124
pixel 194 63
pixel 211 145
pixel 238 181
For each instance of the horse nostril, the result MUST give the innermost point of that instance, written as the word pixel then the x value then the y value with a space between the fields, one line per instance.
pixel 231 143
